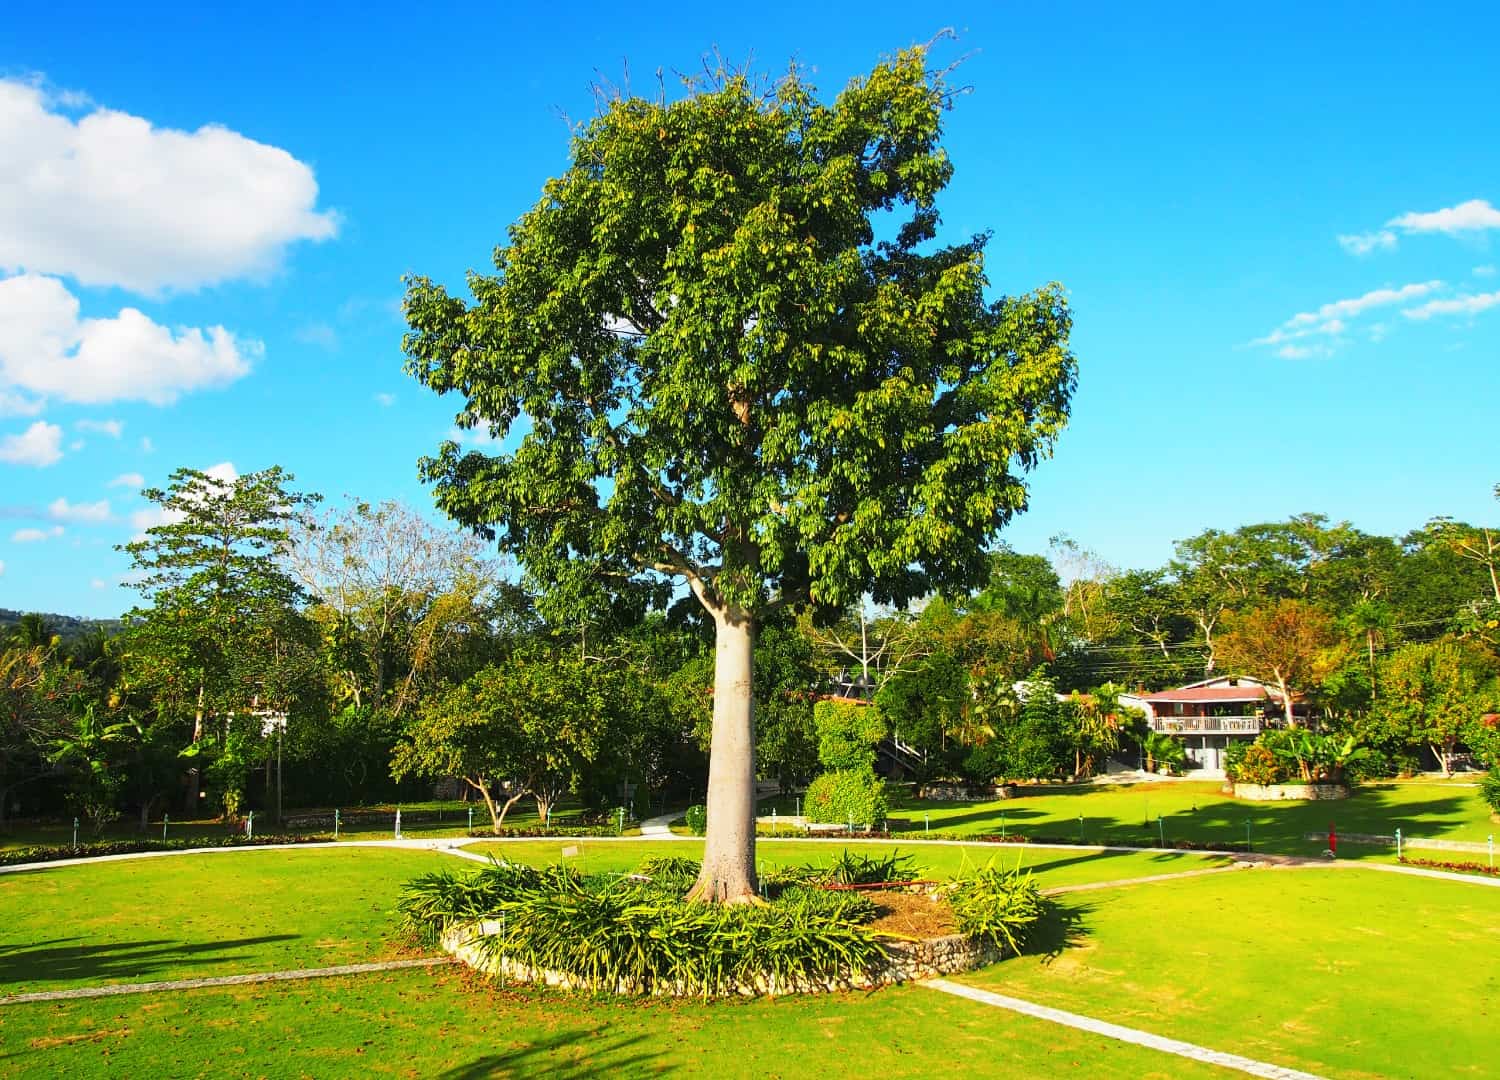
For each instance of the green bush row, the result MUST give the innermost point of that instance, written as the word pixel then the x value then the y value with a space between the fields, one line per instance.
pixel 98 848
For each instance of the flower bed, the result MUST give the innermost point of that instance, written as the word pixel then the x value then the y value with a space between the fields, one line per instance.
pixel 98 849
pixel 637 935
pixel 1459 867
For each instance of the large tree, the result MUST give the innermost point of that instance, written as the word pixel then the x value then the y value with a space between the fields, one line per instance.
pixel 222 630
pixel 744 363
pixel 1292 643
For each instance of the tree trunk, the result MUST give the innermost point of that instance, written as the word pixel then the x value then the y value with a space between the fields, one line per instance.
pixel 1441 754
pixel 193 773
pixel 728 874
pixel 482 786
pixel 1286 702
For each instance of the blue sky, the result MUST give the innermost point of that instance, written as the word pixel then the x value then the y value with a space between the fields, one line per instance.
pixel 1187 173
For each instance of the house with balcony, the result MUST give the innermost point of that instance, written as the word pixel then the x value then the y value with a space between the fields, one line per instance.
pixel 1208 715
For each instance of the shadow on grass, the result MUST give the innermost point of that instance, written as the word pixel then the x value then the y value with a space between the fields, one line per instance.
pixel 572 1055
pixel 57 961
pixel 1062 927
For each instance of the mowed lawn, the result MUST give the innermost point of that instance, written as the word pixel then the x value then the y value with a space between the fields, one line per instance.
pixel 437 1023
pixel 1346 973
pixel 1202 813
pixel 186 916
pixel 1052 866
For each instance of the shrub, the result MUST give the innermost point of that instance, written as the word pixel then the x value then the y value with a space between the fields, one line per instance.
pixel 1374 765
pixel 99 848
pixel 847 734
pixel 847 796
pixel 670 871
pixel 696 819
pixel 851 868
pixel 1259 765
pixel 1001 906
pixel 1489 788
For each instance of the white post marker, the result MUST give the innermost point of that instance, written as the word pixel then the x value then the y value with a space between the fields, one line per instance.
pixel 398 823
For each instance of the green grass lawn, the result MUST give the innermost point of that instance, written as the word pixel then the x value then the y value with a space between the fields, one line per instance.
pixel 440 1024
pixel 1200 812
pixel 1339 972
pixel 186 916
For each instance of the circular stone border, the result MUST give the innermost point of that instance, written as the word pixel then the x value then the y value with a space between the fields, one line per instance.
pixel 905 961
pixel 1303 792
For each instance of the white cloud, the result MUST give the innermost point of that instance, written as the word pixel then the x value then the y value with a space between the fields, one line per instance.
pixel 1468 304
pixel 1331 321
pixel 98 583
pixel 147 446
pixel 35 536
pixel 1484 271
pixel 1476 215
pixel 93 513
pixel 48 350
pixel 1358 305
pixel 385 400
pixel 109 199
pixel 1365 243
pixel 2 567
pixel 1304 352
pixel 113 428
pixel 128 480
pixel 320 334
pixel 12 404
pixel 39 445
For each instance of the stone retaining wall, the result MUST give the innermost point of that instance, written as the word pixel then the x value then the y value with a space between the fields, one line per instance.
pixel 904 961
pixel 1275 792
pixel 940 792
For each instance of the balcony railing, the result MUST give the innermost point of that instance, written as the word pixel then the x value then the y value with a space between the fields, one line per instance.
pixel 1207 725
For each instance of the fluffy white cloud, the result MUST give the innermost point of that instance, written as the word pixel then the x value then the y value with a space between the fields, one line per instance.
pixel 1476 215
pixel 35 536
pixel 39 445
pixel 147 446
pixel 129 480
pixel 113 428
pixel 93 513
pixel 109 199
pixel 385 400
pixel 48 350
pixel 1365 243
pixel 1469 304
pixel 1484 271
pixel 2 567
pixel 98 583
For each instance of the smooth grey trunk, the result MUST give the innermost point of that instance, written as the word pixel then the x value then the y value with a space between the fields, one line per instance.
pixel 1286 702
pixel 728 873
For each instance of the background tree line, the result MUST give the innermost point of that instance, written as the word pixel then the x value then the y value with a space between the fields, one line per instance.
pixel 402 655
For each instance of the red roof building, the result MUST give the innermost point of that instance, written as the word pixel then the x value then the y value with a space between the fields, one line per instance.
pixel 1208 715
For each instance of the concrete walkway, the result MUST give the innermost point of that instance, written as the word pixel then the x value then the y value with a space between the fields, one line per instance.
pixel 116 989
pixel 659 828
pixel 1123 1034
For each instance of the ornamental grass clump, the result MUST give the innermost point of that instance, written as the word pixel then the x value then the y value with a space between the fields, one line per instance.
pixel 1001 906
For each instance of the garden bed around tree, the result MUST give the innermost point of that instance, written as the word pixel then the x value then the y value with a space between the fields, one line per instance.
pixel 864 922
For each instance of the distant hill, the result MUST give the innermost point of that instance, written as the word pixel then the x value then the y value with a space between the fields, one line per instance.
pixel 67 627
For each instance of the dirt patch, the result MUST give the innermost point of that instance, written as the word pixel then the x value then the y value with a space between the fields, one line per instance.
pixel 911 914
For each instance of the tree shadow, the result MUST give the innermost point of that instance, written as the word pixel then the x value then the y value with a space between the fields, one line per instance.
pixel 1061 927
pixel 56 961
pixel 571 1055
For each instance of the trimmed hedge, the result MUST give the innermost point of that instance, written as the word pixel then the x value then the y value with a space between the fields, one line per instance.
pixel 846 795
pixel 99 848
